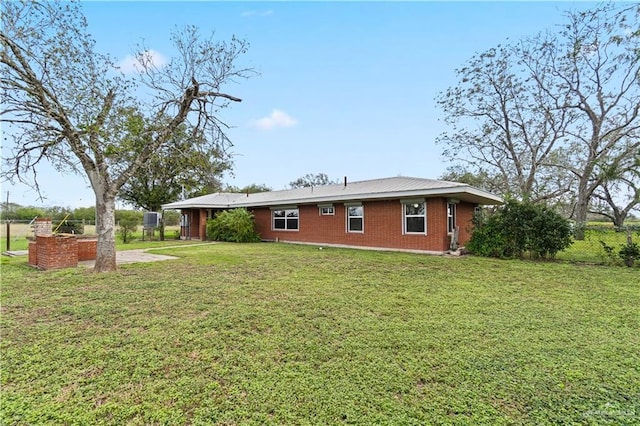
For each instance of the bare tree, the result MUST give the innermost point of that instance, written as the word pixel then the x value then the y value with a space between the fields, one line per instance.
pixel 67 104
pixel 481 180
pixel 502 126
pixel 592 65
pixel 549 112
pixel 619 193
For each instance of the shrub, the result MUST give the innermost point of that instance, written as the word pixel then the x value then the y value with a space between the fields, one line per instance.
pixel 517 229
pixel 235 226
pixel 171 217
pixel 128 224
pixel 630 253
pixel 487 238
pixel 67 227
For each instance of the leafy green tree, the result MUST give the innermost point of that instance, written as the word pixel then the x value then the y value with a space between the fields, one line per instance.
pixel 183 166
pixel 249 189
pixel 67 104
pixel 171 217
pixel 84 213
pixel 128 222
pixel 309 180
pixel 235 226
pixel 18 212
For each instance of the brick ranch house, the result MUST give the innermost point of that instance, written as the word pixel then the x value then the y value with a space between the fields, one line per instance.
pixel 398 213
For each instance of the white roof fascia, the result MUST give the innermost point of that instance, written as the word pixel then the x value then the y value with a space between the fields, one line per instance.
pixel 218 200
pixel 180 205
pixel 461 190
pixel 283 198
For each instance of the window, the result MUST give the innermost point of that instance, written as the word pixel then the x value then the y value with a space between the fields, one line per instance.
pixel 327 211
pixel 286 220
pixel 415 218
pixel 451 218
pixel 355 219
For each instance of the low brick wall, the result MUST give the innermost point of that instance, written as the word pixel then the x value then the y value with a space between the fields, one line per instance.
pixel 61 251
pixel 56 251
pixel 33 253
pixel 87 249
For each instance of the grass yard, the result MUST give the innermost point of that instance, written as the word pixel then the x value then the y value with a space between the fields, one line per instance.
pixel 285 334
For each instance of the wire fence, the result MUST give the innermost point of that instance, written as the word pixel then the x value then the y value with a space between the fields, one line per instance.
pixel 602 245
pixel 24 228
pixel 605 245
pixel 14 233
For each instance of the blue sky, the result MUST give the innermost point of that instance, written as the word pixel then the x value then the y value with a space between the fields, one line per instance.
pixel 345 89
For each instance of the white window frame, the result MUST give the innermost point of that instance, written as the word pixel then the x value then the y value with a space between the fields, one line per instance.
pixel 405 216
pixel 452 218
pixel 327 210
pixel 285 218
pixel 348 208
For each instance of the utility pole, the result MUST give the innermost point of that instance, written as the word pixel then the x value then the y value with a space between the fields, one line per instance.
pixel 6 209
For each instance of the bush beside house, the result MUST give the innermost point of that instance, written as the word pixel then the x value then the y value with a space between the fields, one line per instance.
pixel 235 226
pixel 519 229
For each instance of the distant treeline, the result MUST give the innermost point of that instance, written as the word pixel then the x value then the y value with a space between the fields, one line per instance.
pixel 56 213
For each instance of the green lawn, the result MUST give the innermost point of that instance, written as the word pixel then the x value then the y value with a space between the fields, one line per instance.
pixel 285 334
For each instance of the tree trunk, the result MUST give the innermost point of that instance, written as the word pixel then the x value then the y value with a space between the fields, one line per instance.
pixel 618 220
pixel 582 208
pixel 106 230
pixel 162 225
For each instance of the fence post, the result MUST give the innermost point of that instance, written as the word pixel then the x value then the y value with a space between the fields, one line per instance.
pixel 8 235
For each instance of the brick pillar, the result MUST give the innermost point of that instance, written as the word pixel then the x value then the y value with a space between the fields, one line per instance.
pixel 42 226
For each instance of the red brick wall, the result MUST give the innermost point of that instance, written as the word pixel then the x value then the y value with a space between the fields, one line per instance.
pixel 197 224
pixel 33 253
pixel 464 217
pixel 61 251
pixel 56 251
pixel 383 224
pixel 203 224
pixel 87 249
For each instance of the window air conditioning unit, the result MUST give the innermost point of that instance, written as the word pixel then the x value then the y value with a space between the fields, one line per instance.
pixel 151 220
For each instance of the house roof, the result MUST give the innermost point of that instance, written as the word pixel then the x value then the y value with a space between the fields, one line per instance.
pixel 376 189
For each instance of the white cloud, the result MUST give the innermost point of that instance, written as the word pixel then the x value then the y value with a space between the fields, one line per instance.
pixel 277 118
pixel 150 57
pixel 257 13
